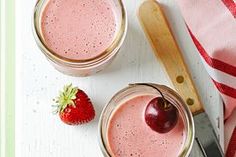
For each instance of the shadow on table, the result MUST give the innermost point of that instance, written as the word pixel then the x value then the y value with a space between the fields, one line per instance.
pixel 130 56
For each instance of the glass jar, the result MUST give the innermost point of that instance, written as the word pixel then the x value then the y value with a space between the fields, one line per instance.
pixel 138 90
pixel 81 67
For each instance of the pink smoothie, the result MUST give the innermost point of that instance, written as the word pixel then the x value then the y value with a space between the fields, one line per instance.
pixel 78 29
pixel 129 135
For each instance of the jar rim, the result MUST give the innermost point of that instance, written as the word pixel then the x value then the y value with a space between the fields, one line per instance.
pixel 188 144
pixel 110 51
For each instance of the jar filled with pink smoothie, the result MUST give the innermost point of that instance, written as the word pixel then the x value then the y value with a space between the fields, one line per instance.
pixel 79 37
pixel 123 131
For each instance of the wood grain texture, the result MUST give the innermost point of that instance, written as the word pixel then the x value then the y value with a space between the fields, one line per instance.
pixel 163 43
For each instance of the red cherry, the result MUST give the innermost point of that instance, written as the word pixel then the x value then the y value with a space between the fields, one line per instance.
pixel 160 115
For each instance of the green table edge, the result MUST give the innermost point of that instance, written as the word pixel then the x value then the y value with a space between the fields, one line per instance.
pixel 10 79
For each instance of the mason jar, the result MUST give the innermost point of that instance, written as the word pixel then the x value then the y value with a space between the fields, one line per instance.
pixel 135 90
pixel 82 67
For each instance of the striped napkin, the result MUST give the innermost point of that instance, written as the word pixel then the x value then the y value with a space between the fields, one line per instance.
pixel 212 26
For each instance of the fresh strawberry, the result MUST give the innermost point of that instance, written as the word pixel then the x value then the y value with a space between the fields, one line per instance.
pixel 74 106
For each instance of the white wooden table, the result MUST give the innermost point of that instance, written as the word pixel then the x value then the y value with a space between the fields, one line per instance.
pixel 39 133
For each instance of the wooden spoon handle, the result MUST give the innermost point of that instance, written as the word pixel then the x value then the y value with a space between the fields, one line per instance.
pixel 163 43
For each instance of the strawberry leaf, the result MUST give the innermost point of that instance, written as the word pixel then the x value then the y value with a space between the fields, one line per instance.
pixel 66 97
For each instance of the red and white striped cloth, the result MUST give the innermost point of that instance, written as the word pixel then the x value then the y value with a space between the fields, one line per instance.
pixel 212 26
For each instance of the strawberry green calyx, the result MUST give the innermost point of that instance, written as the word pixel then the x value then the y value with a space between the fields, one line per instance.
pixel 66 97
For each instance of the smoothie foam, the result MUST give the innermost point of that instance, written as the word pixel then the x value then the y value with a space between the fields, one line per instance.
pixel 78 29
pixel 130 136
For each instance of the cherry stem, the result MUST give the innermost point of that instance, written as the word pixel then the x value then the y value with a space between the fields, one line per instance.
pixel 166 104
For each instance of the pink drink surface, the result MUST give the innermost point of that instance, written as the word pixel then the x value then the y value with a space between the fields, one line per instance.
pixel 130 136
pixel 78 29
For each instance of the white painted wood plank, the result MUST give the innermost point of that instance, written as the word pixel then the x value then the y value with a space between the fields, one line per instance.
pixel 43 134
